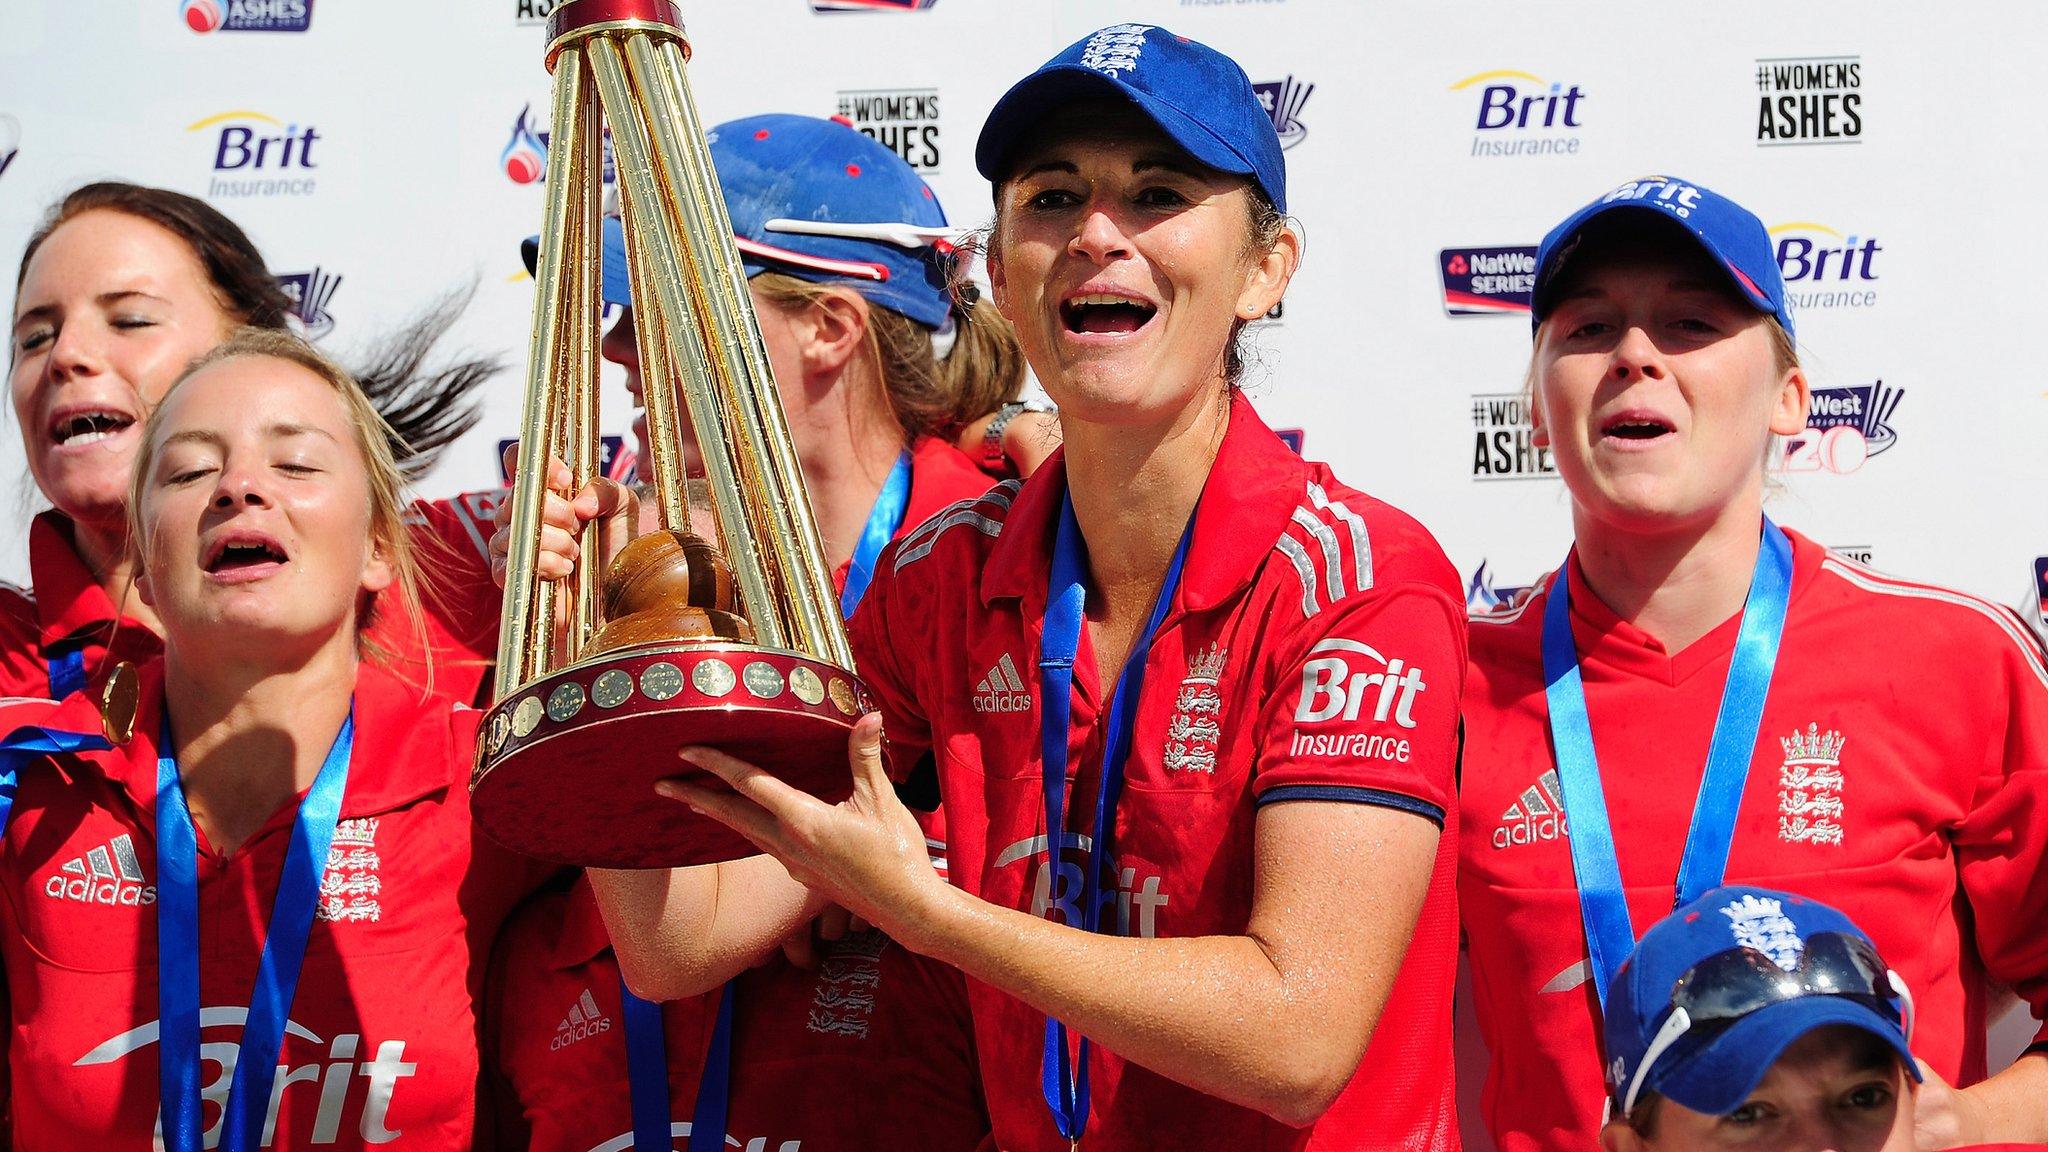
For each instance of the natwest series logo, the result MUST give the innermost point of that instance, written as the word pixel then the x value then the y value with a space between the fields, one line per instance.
pixel 1826 268
pixel 525 158
pixel 256 154
pixel 204 16
pixel 1283 101
pixel 1503 441
pixel 1844 428
pixel 1487 281
pixel 337 1084
pixel 903 120
pixel 1134 901
pixel 1522 114
pixel 1809 100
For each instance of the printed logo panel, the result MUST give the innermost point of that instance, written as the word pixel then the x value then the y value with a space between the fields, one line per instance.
pixel 903 120
pixel 1809 100
pixel 204 16
pixel 1487 281
pixel 1518 113
pixel 1283 101
pixel 255 154
pixel 1503 443
pixel 1845 427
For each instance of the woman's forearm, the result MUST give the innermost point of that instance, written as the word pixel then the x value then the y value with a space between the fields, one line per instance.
pixel 684 931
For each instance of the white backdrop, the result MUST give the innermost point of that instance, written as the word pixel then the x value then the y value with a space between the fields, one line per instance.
pixel 1421 136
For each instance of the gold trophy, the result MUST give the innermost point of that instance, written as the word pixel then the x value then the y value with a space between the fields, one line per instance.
pixel 735 643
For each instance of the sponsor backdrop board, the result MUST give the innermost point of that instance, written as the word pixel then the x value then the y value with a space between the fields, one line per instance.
pixel 383 154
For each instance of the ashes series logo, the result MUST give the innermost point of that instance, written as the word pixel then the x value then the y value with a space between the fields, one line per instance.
pixel 525 158
pixel 532 11
pixel 204 16
pixel 1809 100
pixel 903 120
pixel 1487 281
pixel 1522 114
pixel 1844 428
pixel 1283 101
pixel 256 154
pixel 310 292
pixel 1503 443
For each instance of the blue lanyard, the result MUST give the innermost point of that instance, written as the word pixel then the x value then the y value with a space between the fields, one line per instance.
pixel 32 743
pixel 884 519
pixel 277 972
pixel 646 1047
pixel 67 672
pixel 1603 904
pixel 1064 1077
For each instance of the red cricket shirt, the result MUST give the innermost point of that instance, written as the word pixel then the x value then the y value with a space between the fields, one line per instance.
pixel 872 1050
pixel 65 609
pixel 382 1043
pixel 1314 651
pixel 1901 775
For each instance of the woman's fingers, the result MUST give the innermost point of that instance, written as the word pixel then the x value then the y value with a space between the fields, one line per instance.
pixel 864 751
pixel 748 781
pixel 730 809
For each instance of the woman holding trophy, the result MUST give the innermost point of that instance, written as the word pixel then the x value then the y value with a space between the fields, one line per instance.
pixel 1705 652
pixel 1186 697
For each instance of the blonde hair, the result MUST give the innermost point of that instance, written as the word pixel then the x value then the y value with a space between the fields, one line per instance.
pixel 929 396
pixel 374 440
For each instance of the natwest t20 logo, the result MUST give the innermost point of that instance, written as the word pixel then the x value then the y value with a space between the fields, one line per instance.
pixel 342 1082
pixel 1283 101
pixel 1844 428
pixel 1522 114
pixel 1827 268
pixel 255 154
pixel 247 15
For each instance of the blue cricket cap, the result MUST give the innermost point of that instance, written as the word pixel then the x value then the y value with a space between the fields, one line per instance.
pixel 1729 233
pixel 1196 95
pixel 819 201
pixel 1758 969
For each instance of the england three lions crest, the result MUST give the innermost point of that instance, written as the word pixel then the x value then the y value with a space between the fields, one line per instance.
pixel 1810 787
pixel 1195 732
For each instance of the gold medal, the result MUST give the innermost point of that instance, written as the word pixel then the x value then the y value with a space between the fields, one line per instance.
pixel 118 699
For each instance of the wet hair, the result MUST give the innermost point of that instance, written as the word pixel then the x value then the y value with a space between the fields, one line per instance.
pixel 374 440
pixel 928 395
pixel 424 411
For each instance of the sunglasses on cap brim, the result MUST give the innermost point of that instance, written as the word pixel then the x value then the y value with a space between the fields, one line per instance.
pixel 1722 989
pixel 939 239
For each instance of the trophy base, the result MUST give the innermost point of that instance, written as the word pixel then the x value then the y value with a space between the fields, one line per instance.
pixel 566 767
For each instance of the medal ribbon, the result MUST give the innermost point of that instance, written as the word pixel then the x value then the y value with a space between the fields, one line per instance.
pixel 67 671
pixel 1064 1077
pixel 1603 903
pixel 277 971
pixel 646 1047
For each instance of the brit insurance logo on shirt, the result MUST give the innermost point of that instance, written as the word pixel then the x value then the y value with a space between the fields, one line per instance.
pixel 1503 441
pixel 524 159
pixel 204 16
pixel 1347 685
pixel 1490 281
pixel 903 120
pixel 1826 267
pixel 343 1081
pixel 1845 428
pixel 1516 113
pixel 1809 100
pixel 255 154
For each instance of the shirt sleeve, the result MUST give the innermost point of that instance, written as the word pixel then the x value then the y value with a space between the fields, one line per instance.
pixel 452 539
pixel 2002 844
pixel 1364 706
pixel 878 631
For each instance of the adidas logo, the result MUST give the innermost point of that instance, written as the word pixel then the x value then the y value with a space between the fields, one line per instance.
pixel 582 1022
pixel 1537 815
pixel 1002 690
pixel 109 874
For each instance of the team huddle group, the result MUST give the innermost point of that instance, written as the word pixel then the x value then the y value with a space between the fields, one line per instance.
pixel 1197 778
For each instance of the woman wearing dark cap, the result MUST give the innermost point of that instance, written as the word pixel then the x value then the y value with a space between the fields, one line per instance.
pixel 1189 700
pixel 1699 695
